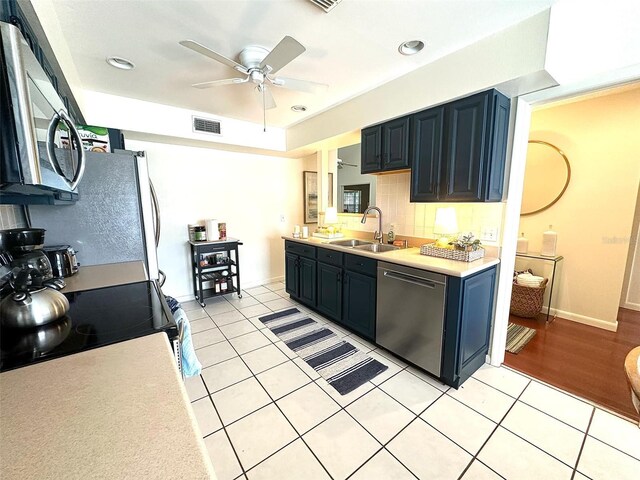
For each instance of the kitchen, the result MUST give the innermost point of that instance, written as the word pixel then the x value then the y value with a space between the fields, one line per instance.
pixel 266 175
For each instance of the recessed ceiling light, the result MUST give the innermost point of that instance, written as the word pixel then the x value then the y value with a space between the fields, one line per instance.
pixel 299 108
pixel 411 47
pixel 121 63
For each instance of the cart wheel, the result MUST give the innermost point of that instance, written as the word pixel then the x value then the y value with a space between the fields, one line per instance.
pixel 239 295
pixel 202 304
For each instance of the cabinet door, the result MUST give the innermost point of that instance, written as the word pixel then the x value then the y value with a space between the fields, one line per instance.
pixel 465 157
pixel 359 309
pixel 498 148
pixel 467 325
pixel 307 286
pixel 370 150
pixel 330 290
pixel 395 144
pixel 427 130
pixel 291 274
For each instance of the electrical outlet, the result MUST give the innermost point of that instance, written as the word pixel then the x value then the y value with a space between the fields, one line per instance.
pixel 282 219
pixel 489 234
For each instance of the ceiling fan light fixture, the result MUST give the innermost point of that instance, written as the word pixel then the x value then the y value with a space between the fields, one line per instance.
pixel 299 108
pixel 121 63
pixel 411 47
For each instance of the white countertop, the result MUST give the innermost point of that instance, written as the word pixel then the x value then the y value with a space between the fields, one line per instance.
pixel 409 257
pixel 99 276
pixel 116 412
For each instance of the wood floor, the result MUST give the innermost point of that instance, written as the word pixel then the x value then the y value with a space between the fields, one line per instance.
pixel 583 360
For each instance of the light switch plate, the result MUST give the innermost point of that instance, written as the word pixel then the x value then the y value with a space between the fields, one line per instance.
pixel 489 234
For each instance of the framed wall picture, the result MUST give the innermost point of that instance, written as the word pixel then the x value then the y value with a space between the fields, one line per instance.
pixel 310 192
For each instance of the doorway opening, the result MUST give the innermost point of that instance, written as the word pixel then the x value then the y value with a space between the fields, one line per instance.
pixel 583 328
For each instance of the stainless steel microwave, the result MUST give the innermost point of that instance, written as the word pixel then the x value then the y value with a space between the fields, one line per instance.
pixel 42 155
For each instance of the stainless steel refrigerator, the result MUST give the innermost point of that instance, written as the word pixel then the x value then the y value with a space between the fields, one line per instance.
pixel 116 217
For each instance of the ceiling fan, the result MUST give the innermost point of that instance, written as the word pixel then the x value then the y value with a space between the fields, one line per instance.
pixel 259 65
pixel 342 164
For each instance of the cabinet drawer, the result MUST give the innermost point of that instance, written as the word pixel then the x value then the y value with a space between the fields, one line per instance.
pixel 330 256
pixel 300 249
pixel 360 264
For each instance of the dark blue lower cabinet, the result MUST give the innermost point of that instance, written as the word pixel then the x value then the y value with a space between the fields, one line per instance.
pixel 291 274
pixel 467 325
pixel 330 291
pixel 307 285
pixel 359 303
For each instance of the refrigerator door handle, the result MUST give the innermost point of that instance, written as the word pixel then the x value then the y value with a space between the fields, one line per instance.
pixel 156 213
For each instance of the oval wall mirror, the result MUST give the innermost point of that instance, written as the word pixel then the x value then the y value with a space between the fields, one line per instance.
pixel 546 178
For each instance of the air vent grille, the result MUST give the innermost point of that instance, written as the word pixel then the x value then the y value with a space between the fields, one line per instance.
pixel 326 5
pixel 206 125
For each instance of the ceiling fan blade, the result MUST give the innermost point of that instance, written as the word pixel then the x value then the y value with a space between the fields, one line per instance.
pixel 217 83
pixel 288 49
pixel 269 101
pixel 207 52
pixel 299 85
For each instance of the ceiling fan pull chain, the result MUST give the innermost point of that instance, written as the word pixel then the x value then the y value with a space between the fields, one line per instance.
pixel 264 111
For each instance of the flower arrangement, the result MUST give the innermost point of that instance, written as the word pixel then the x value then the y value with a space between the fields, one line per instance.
pixel 466 242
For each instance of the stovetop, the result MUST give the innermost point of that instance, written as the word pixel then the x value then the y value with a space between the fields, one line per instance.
pixel 96 318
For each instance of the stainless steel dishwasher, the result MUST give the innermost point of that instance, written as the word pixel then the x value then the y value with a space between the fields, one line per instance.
pixel 410 318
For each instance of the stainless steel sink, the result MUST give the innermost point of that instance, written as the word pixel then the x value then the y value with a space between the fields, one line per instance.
pixel 353 242
pixel 377 248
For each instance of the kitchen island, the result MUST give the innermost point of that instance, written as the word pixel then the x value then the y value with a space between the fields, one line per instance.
pixel 119 411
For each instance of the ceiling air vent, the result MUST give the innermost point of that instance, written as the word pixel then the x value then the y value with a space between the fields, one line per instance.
pixel 326 5
pixel 206 125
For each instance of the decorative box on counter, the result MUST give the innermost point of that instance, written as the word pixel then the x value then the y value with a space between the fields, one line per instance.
pixel 327 235
pixel 431 250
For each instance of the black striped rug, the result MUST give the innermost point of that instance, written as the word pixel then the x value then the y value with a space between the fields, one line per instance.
pixel 338 362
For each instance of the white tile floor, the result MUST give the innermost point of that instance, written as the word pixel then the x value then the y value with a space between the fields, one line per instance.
pixel 265 414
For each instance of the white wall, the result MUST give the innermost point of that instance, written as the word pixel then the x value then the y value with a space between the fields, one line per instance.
pixel 248 192
pixel 589 38
pixel 631 290
pixel 157 119
pixel 595 215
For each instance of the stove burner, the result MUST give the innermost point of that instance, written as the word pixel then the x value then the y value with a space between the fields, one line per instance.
pixel 89 329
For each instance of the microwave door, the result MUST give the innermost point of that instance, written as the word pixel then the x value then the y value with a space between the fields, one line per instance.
pixel 59 146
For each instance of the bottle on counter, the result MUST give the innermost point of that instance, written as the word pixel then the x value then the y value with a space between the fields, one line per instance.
pixel 549 243
pixel 523 244
pixel 391 236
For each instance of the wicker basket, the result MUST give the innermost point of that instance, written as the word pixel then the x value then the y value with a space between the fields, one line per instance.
pixel 460 255
pixel 527 301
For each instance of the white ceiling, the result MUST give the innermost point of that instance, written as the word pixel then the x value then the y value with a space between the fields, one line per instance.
pixel 352 49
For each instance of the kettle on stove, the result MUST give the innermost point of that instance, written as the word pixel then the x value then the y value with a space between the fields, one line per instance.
pixel 31 305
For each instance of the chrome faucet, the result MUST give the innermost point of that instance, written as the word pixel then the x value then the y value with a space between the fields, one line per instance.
pixel 378 233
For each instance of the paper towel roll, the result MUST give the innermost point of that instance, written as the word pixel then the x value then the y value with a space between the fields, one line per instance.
pixel 212 230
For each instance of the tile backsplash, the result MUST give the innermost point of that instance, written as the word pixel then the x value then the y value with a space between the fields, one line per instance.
pixel 12 216
pixel 417 219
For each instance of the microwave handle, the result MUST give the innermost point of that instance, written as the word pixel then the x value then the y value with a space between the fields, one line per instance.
pixel 75 137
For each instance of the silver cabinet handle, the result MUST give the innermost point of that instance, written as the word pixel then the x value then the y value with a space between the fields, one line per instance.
pixel 73 136
pixel 410 279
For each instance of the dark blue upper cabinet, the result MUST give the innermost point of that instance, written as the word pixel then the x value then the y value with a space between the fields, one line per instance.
pixel 475 148
pixel 385 147
pixel 395 144
pixel 465 157
pixel 427 129
pixel 371 149
pixel 458 150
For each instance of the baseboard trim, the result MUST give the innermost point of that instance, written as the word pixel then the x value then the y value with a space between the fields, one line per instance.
pixel 591 321
pixel 631 306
